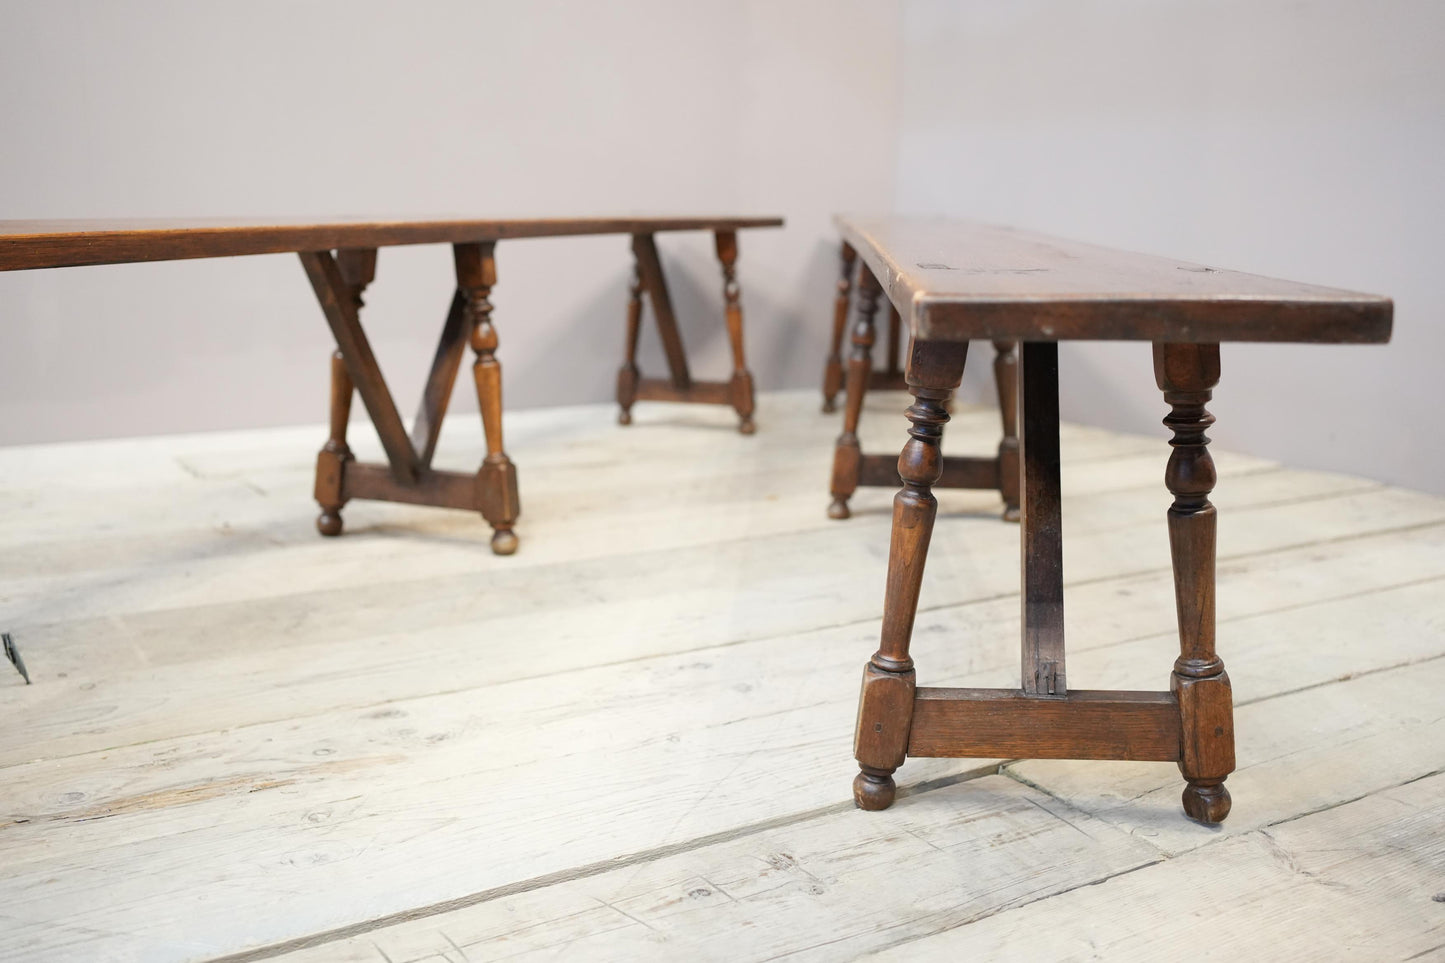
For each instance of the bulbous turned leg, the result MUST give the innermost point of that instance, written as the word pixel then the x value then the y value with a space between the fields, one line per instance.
pixel 497 478
pixel 833 367
pixel 847 455
pixel 331 461
pixel 628 376
pixel 885 704
pixel 741 385
pixel 1187 374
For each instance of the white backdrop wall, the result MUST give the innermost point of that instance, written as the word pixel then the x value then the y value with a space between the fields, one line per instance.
pixel 1294 138
pixel 1300 139
pixel 266 108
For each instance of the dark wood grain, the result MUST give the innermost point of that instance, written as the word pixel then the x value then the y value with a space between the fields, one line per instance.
pixel 846 451
pixel 833 365
pixel 959 471
pixel 33 244
pixel 1187 374
pixel 427 426
pixel 1008 723
pixel 957 280
pixel 654 282
pixel 339 307
pixel 331 461
pixel 741 384
pixel 629 375
pixel 444 489
pixel 934 372
pixel 497 478
pixel 1006 380
pixel 1041 532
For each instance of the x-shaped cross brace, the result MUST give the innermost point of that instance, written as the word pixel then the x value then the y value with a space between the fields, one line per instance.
pixel 339 282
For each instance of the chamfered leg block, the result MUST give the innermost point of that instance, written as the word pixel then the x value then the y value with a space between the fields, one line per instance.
pixel 833 367
pixel 847 455
pixel 1187 374
pixel 885 706
pixel 497 478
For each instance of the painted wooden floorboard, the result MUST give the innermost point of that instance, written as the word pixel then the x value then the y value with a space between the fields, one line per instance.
pixel 1360 881
pixel 248 735
pixel 879 902
pixel 702 598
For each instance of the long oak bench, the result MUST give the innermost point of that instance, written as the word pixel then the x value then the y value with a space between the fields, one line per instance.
pixel 340 260
pixel 952 282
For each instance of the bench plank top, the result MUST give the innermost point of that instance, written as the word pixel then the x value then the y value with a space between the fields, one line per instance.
pixel 69 243
pixel 958 280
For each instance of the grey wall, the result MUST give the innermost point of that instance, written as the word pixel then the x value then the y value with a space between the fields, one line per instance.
pixel 1298 139
pixel 249 107
pixel 1301 139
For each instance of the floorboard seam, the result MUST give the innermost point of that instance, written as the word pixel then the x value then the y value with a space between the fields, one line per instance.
pixel 838 626
pixel 581 872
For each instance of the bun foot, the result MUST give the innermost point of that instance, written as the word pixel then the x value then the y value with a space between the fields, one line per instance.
pixel 839 509
pixel 624 417
pixel 504 541
pixel 1206 802
pixel 329 523
pixel 1011 513
pixel 746 426
pixel 874 791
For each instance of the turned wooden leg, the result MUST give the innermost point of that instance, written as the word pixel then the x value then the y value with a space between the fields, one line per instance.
pixel 332 459
pixel 741 385
pixel 628 376
pixel 847 455
pixel 1006 379
pixel 833 368
pixel 357 268
pixel 885 706
pixel 1187 373
pixel 497 478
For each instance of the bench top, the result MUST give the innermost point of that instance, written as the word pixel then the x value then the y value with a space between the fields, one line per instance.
pixel 958 280
pixel 68 243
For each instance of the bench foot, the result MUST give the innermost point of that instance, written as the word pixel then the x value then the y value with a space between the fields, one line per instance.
pixel 328 523
pixel 1206 801
pixel 874 789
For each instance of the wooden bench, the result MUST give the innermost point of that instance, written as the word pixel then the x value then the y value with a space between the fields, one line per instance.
pixel 955 281
pixel 340 259
pixel 852 468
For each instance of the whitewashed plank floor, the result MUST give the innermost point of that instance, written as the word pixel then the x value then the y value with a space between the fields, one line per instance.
pixel 632 739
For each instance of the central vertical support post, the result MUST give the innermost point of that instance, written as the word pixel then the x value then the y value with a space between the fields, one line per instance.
pixel 1041 530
